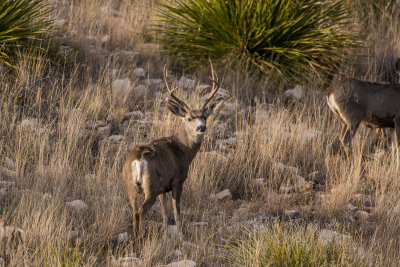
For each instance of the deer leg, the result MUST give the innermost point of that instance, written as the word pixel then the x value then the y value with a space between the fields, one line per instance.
pixel 161 197
pixel 348 136
pixel 397 138
pixel 148 202
pixel 176 202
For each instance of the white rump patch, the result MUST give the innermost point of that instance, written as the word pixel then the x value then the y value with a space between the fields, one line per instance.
pixel 138 168
pixel 335 107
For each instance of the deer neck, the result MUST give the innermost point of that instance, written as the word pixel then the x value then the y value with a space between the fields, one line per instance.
pixel 189 145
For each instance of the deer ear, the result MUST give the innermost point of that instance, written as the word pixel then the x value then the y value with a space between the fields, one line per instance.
pixel 176 109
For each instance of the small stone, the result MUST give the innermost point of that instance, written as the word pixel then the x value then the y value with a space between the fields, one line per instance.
pixel 47 196
pixel 139 72
pixel 129 261
pixel 153 81
pixel 293 95
pixel 10 232
pixel 190 245
pixel 77 205
pixel 258 182
pixel 177 253
pixel 121 87
pixel 104 131
pixel 172 231
pixel 286 189
pixel 135 115
pixel 351 207
pixel 327 236
pixel 200 223
pixel 115 138
pixel 9 163
pixel 105 39
pixel 283 167
pixel 186 83
pixel 291 213
pixel 29 123
pixel 140 90
pixel 397 209
pixel 7 184
pixel 123 237
pixel 60 22
pixel 222 195
pixel 182 263
pixel 363 215
pixel 3 192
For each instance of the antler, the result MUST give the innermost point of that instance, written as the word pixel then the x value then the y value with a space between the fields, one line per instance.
pixel 171 94
pixel 215 87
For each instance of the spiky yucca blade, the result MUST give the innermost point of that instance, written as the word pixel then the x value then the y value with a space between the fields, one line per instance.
pixel 293 38
pixel 20 22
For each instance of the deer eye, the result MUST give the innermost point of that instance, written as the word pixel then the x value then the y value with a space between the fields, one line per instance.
pixel 189 118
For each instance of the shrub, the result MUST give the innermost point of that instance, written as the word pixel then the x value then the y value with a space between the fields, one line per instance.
pixel 291 38
pixel 276 246
pixel 21 23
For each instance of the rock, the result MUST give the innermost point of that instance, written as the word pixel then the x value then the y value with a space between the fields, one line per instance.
pixel 29 123
pixel 230 142
pixel 109 10
pixel 115 138
pixel 221 195
pixel 221 94
pixel 153 81
pixel 121 87
pixel 8 232
pixel 351 207
pixel 126 261
pixel 200 223
pixel 105 39
pixel 303 185
pixel 363 215
pixel 134 115
pixel 214 156
pixel 104 131
pixel 123 237
pixel 7 184
pixel 286 189
pixel 139 72
pixel 188 244
pixel 377 155
pixel 182 263
pixel 258 182
pixel 396 209
pixel 186 83
pixel 177 253
pixel 293 95
pixel 7 172
pixel 9 163
pixel 140 90
pixel 283 167
pixel 327 236
pixel 77 205
pixel 172 231
pixel 3 192
pixel 60 22
pixel 47 196
pixel 291 213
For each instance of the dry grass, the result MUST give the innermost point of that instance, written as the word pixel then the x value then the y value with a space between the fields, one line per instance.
pixel 64 156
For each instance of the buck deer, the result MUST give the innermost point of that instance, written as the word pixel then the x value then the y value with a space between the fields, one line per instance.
pixel 163 164
pixel 376 105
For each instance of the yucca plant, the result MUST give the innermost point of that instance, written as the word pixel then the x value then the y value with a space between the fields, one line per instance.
pixel 292 38
pixel 22 23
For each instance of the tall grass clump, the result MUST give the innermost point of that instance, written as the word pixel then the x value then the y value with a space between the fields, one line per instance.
pixel 277 246
pixel 21 22
pixel 292 39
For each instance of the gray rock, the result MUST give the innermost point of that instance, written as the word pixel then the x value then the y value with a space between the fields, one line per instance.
pixel 182 263
pixel 123 237
pixel 139 72
pixel 115 138
pixel 326 236
pixel 296 94
pixel 225 194
pixel 291 213
pixel 121 88
pixel 9 163
pixel 105 39
pixel 186 83
pixel 77 205
pixel 363 215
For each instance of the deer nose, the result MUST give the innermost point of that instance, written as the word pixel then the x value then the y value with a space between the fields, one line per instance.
pixel 201 128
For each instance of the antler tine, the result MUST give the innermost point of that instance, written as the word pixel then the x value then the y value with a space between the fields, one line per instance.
pixel 171 93
pixel 215 87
